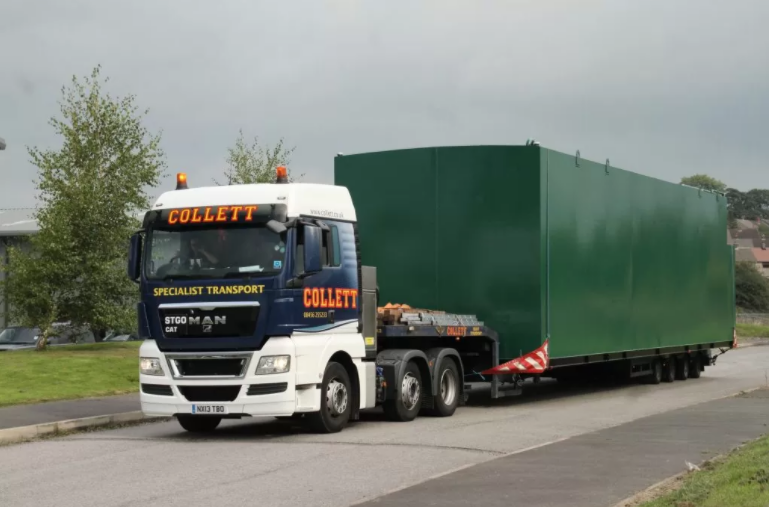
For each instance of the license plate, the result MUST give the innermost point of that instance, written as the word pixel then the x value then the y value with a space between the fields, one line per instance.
pixel 209 409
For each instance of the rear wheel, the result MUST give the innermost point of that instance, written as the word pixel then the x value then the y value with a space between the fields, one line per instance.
pixel 682 368
pixel 695 367
pixel 405 407
pixel 198 423
pixel 335 401
pixel 446 399
pixel 669 370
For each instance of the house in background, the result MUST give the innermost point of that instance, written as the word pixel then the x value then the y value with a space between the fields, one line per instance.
pixel 762 260
pixel 750 245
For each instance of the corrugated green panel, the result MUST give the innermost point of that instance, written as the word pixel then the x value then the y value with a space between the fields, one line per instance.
pixel 635 262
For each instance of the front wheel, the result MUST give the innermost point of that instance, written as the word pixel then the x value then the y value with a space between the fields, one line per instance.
pixel 335 401
pixel 198 423
pixel 447 398
pixel 405 407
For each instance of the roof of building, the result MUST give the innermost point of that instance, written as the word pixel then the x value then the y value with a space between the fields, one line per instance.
pixel 761 255
pixel 744 255
pixel 17 222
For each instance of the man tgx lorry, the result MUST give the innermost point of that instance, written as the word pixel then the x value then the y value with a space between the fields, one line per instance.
pixel 517 262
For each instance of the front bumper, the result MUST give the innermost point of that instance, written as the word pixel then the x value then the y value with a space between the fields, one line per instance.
pixel 250 395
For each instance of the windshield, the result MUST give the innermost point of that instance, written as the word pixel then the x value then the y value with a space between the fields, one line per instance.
pixel 19 335
pixel 213 252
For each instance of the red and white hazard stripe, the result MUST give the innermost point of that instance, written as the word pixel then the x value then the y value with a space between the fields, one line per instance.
pixel 534 362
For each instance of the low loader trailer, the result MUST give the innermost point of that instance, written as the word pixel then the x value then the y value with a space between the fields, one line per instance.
pixel 518 263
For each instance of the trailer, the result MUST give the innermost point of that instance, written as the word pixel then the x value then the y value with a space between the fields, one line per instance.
pixel 419 278
pixel 600 270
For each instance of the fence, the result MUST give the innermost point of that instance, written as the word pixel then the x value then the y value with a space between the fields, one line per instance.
pixel 761 319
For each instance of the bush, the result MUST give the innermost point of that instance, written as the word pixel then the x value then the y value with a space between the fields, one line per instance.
pixel 752 289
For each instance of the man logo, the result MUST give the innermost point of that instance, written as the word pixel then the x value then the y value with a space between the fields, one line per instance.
pixel 206 321
pixel 207 328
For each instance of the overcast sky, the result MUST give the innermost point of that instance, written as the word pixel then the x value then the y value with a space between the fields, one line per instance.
pixel 665 88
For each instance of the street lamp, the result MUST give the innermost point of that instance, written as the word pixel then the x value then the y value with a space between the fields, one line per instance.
pixel 2 143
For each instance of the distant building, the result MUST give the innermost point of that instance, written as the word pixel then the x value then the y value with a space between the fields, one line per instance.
pixel 16 226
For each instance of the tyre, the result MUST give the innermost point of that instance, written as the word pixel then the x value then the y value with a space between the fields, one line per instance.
pixel 198 423
pixel 682 368
pixel 446 399
pixel 335 401
pixel 669 370
pixel 656 372
pixel 695 367
pixel 406 406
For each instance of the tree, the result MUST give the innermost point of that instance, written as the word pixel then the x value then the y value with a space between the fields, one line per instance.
pixel 704 182
pixel 90 190
pixel 751 288
pixel 252 163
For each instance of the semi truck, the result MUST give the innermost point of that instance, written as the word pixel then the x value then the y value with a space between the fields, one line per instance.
pixel 422 277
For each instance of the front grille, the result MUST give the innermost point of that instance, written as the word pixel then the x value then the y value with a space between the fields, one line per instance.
pixel 257 389
pixel 210 367
pixel 210 393
pixel 157 390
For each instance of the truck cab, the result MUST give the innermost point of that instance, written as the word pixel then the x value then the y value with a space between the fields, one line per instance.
pixel 251 299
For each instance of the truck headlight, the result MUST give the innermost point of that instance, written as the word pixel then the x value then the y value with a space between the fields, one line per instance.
pixel 150 366
pixel 273 364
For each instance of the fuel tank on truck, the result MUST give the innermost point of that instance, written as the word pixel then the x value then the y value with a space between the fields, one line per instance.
pixel 541 244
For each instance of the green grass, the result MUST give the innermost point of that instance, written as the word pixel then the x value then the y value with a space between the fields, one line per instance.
pixel 752 331
pixel 740 480
pixel 69 372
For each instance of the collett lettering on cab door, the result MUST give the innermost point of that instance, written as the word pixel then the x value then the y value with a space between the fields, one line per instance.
pixel 326 297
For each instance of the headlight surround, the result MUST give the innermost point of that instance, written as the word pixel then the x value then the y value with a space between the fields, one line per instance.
pixel 269 365
pixel 150 366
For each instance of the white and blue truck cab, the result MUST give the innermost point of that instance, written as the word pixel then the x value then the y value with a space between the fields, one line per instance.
pixel 254 302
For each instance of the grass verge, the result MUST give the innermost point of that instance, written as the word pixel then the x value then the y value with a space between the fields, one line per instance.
pixel 69 372
pixel 740 479
pixel 752 331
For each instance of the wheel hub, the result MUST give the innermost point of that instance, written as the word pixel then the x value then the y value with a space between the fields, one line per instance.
pixel 410 391
pixel 336 398
pixel 448 387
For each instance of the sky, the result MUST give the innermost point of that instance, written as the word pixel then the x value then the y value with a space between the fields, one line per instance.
pixel 666 88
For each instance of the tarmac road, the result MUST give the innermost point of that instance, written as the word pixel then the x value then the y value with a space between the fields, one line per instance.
pixel 267 462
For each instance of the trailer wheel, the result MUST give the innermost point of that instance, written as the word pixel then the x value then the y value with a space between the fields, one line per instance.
pixel 335 401
pixel 695 368
pixel 406 406
pixel 682 368
pixel 669 370
pixel 447 398
pixel 656 372
pixel 198 423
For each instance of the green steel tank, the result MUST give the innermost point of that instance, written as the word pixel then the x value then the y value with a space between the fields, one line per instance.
pixel 541 245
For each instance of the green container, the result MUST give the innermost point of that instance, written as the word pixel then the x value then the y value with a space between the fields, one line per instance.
pixel 541 244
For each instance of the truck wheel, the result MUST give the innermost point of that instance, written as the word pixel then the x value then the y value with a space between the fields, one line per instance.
pixel 656 372
pixel 669 370
pixel 406 406
pixel 682 368
pixel 447 398
pixel 695 367
pixel 198 423
pixel 335 401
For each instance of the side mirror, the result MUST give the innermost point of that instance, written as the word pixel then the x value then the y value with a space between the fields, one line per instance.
pixel 313 244
pixel 135 257
pixel 276 227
